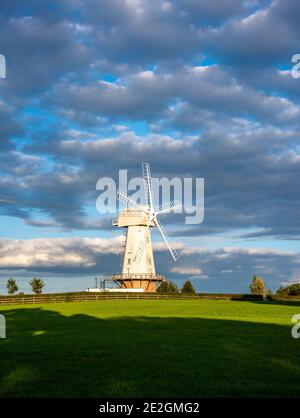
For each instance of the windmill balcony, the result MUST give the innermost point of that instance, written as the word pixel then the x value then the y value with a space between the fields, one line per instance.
pixel 138 276
pixel 147 281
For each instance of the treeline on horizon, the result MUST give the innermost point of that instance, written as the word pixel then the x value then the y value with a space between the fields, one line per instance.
pixel 257 287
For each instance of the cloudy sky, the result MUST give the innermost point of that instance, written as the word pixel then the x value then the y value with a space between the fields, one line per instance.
pixel 197 88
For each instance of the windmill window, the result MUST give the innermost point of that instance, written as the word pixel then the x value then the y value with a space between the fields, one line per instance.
pixel 150 261
pixel 128 261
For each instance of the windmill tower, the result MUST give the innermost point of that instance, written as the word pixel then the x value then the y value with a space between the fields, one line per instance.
pixel 138 269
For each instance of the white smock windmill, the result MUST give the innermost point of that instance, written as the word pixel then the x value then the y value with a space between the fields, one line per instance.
pixel 138 268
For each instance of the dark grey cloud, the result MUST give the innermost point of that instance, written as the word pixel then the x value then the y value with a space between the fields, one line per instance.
pixel 142 31
pixel 251 178
pixel 39 52
pixel 149 95
pixel 268 35
pixel 9 126
pixel 271 80
pixel 151 31
pixel 45 10
pixel 211 12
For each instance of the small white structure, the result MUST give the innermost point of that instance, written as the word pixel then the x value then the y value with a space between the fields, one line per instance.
pixel 112 290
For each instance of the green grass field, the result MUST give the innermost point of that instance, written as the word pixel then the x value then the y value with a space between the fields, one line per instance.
pixel 161 348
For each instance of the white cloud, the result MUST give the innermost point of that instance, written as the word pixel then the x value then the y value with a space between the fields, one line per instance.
pixel 186 271
pixel 54 252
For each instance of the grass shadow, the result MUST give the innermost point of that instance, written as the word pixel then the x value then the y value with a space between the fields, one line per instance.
pixel 47 354
pixel 293 303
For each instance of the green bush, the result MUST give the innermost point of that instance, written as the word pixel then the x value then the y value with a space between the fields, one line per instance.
pixel 167 286
pixel 37 285
pixel 188 287
pixel 294 289
pixel 258 286
pixel 12 287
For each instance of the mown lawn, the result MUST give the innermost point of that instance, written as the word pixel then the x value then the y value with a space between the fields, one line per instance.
pixel 150 348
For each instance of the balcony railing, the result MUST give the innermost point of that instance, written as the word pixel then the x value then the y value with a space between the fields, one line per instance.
pixel 138 213
pixel 135 276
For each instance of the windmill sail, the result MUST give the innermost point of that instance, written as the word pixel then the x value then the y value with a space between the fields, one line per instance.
pixel 148 184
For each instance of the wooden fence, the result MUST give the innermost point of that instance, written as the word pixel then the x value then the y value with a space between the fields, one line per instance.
pixel 89 297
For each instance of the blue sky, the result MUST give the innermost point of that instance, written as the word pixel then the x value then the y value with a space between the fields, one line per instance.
pixel 199 88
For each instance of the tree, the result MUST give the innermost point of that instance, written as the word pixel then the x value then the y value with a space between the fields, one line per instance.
pixel 11 286
pixel 294 289
pixel 167 286
pixel 282 291
pixel 188 287
pixel 291 290
pixel 258 286
pixel 37 285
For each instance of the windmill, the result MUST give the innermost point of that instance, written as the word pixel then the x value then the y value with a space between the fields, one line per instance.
pixel 138 268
